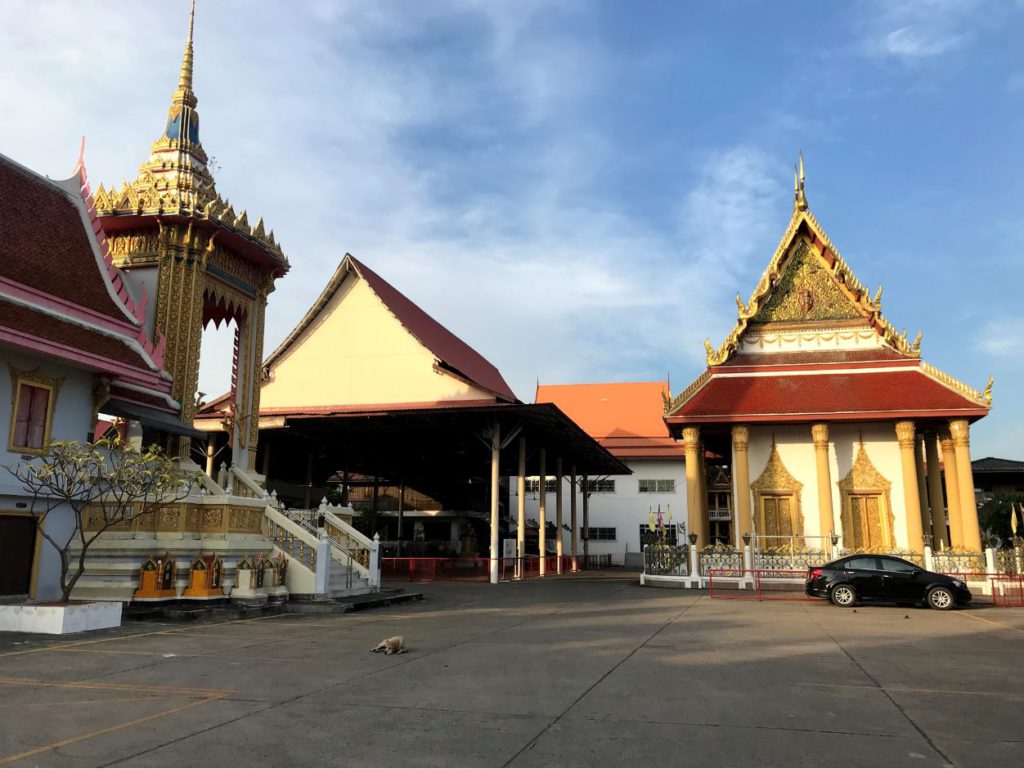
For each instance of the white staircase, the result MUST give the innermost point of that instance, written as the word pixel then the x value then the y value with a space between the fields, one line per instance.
pixel 329 562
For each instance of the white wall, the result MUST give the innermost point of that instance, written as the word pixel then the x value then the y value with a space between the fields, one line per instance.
pixel 796 450
pixel 625 510
pixel 71 421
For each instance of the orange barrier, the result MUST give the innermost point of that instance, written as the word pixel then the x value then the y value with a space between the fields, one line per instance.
pixel 758 584
pixel 479 569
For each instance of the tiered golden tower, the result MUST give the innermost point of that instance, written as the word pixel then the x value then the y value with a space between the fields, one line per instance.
pixel 179 240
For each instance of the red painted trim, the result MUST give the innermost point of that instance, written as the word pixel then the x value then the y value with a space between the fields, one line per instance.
pixel 823 367
pixel 26 341
pixel 836 416
pixel 341 410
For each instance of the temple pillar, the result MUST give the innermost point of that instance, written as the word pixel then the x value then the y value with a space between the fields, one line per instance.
pixel 694 465
pixel 741 482
pixel 521 509
pixel 572 518
pixel 826 525
pixel 935 501
pixel 905 434
pixel 495 479
pixel 558 512
pixel 960 430
pixel 922 485
pixel 211 450
pixel 956 529
pixel 586 522
pixel 542 510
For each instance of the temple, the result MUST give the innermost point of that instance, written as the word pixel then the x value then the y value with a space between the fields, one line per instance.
pixel 202 262
pixel 827 421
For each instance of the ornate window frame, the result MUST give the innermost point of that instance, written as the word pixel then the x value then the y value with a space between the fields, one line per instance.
pixel 33 378
pixel 776 481
pixel 864 479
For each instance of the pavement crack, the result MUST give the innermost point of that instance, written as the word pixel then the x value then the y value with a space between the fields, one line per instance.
pixel 533 741
pixel 899 708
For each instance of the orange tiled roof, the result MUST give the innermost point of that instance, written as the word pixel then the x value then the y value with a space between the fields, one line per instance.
pixel 624 417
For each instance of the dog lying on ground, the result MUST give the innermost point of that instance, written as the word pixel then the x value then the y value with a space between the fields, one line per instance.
pixel 393 645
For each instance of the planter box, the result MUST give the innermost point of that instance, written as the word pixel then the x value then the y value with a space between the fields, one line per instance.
pixel 57 619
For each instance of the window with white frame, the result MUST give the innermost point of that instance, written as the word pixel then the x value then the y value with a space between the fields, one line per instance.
pixel 657 486
pixel 601 486
pixel 533 485
pixel 601 533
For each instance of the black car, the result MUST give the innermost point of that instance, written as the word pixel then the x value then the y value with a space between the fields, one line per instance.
pixel 883 578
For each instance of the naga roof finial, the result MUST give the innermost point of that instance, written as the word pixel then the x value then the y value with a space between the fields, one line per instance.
pixel 800 199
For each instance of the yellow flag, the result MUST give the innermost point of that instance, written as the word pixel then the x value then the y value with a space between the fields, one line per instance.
pixel 1013 520
pixel 650 525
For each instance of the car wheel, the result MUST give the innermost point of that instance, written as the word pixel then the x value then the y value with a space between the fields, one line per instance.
pixel 844 595
pixel 941 598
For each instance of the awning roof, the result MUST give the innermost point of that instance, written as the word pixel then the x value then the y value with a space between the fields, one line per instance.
pixel 430 448
pixel 157 420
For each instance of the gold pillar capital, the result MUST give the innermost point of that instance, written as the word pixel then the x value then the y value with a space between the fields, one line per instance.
pixel 740 437
pixel 819 434
pixel 905 434
pixel 960 431
pixel 691 437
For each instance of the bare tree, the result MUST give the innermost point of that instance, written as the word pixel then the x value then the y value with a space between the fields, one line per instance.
pixel 101 484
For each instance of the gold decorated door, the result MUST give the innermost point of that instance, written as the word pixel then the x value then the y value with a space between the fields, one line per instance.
pixel 865 527
pixel 777 520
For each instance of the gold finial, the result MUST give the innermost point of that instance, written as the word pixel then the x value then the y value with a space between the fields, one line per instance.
pixel 185 81
pixel 987 394
pixel 740 306
pixel 877 298
pixel 916 344
pixel 798 185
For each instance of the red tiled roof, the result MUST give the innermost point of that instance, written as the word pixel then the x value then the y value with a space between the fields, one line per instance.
pixel 45 244
pixel 624 417
pixel 27 321
pixel 867 393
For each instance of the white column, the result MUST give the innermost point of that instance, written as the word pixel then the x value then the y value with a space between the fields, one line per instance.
pixel 521 510
pixel 572 518
pixel 586 523
pixel 495 460
pixel 542 509
pixel 558 511
pixel 374 581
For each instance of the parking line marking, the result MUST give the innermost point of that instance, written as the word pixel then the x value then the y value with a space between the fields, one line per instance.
pixel 61 703
pixel 186 691
pixel 919 690
pixel 990 622
pixel 106 730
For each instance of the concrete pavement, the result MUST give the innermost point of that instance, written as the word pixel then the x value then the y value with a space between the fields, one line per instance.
pixel 561 672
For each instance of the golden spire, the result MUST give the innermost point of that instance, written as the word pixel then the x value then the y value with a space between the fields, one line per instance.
pixel 798 185
pixel 185 81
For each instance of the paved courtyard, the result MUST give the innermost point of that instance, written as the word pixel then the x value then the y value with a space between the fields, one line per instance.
pixel 563 672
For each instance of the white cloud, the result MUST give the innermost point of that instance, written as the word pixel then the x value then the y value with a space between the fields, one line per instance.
pixel 914 30
pixel 1002 340
pixel 464 177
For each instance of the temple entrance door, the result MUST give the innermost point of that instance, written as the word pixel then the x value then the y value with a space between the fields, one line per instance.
pixel 17 549
pixel 777 524
pixel 865 527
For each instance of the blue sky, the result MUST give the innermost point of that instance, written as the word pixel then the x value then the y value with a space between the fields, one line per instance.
pixel 577 189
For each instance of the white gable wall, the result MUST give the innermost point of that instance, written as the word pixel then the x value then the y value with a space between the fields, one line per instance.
pixel 358 353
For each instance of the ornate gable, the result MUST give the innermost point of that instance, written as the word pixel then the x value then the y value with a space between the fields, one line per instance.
pixel 806 290
pixel 807 280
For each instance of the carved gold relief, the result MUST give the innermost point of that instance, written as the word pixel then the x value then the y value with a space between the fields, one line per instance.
pixel 806 291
